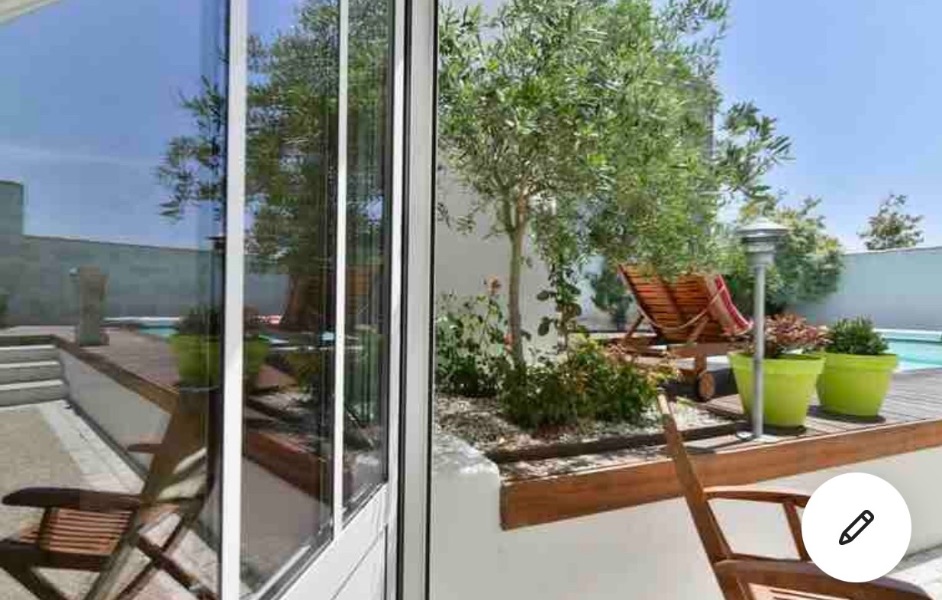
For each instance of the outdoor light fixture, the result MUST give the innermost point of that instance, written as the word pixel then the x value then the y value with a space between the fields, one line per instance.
pixel 760 239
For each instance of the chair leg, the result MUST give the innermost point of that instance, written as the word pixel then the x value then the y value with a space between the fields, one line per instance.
pixel 37 585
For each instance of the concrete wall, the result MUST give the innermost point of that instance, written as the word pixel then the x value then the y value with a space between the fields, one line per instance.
pixel 649 552
pixel 898 289
pixel 142 280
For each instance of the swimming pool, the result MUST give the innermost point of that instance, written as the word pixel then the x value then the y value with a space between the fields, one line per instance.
pixel 165 332
pixel 917 350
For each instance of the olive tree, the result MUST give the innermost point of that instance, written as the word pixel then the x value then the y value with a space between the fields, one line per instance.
pixel 588 125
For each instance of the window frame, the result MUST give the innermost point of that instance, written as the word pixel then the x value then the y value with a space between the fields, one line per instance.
pixel 381 519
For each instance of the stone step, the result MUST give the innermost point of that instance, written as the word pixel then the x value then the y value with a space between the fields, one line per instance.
pixel 32 391
pixel 30 371
pixel 21 354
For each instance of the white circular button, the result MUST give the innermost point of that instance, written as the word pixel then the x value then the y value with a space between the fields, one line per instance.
pixel 856 527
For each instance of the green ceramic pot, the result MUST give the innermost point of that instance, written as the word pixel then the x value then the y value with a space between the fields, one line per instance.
pixel 198 359
pixel 789 386
pixel 856 385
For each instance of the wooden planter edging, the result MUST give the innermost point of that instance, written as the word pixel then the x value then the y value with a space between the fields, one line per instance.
pixel 610 444
pixel 536 501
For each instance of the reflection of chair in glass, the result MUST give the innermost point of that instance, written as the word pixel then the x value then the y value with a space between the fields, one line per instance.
pixel 99 531
pixel 746 577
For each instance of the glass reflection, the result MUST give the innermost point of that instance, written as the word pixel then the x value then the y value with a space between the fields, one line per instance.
pixel 110 296
pixel 368 218
pixel 291 174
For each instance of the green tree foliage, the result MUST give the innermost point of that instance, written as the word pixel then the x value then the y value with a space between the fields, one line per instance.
pixel 609 294
pixel 808 263
pixel 588 125
pixel 892 227
pixel 291 170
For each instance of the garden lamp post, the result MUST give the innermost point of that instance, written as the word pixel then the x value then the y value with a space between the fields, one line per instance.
pixel 759 238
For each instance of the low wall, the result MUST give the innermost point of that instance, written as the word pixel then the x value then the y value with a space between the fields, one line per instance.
pixel 898 289
pixel 142 281
pixel 649 552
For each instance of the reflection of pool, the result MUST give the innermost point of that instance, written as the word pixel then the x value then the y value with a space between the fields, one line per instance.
pixel 917 350
pixel 166 332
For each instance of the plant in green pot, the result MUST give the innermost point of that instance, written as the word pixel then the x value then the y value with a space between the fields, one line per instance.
pixel 791 368
pixel 857 371
pixel 196 347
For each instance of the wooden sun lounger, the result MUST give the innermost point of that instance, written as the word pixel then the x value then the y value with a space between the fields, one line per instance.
pixel 692 317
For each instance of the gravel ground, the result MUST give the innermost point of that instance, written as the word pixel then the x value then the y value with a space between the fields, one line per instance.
pixel 479 422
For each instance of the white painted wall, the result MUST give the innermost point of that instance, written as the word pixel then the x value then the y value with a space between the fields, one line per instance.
pixel 649 552
pixel 464 261
pixel 898 289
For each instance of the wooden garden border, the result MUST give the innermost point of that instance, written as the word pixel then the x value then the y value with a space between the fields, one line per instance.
pixel 531 502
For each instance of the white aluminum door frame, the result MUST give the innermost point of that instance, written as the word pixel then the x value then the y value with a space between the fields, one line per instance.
pixel 399 508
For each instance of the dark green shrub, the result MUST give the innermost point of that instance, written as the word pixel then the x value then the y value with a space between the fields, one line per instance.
pixel 3 310
pixel 201 320
pixel 856 336
pixel 588 383
pixel 470 354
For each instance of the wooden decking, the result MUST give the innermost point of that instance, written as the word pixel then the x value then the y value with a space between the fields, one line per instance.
pixel 914 396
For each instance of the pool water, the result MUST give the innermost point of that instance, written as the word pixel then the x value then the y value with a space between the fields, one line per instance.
pixel 917 355
pixel 164 332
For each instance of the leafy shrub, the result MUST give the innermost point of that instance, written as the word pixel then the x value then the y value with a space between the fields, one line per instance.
pixel 3 310
pixel 791 334
pixel 208 321
pixel 609 294
pixel 589 383
pixel 201 320
pixel 470 334
pixel 856 336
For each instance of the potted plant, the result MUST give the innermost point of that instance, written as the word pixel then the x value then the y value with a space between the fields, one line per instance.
pixel 792 365
pixel 857 370
pixel 196 347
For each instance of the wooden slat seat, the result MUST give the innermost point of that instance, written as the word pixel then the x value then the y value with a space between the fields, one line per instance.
pixel 97 531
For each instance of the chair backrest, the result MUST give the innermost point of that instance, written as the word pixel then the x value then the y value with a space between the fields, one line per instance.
pixel 704 519
pixel 183 468
pixel 692 306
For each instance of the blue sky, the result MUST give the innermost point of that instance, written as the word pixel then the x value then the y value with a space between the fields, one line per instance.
pixel 857 85
pixel 90 98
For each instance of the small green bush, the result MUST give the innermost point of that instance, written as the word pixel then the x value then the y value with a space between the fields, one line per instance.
pixel 3 310
pixel 588 383
pixel 856 336
pixel 470 355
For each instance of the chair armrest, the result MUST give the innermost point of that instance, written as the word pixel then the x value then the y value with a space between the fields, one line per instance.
pixel 144 447
pixel 799 499
pixel 801 576
pixel 86 500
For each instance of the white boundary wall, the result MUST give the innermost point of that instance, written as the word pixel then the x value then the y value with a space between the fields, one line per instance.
pixel 898 289
pixel 649 552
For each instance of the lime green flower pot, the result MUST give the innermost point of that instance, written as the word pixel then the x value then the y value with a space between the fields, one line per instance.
pixel 789 386
pixel 198 359
pixel 856 385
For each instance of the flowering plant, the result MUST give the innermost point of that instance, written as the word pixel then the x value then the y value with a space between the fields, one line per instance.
pixel 791 334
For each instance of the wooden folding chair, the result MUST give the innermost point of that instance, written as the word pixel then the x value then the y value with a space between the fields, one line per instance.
pixel 692 317
pixel 745 577
pixel 99 531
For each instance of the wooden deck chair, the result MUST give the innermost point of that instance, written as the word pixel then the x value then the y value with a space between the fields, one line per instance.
pixel 744 577
pixel 693 317
pixel 99 531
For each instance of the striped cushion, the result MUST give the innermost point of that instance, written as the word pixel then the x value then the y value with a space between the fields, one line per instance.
pixel 723 309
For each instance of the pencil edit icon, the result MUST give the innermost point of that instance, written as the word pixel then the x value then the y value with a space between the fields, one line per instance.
pixel 856 527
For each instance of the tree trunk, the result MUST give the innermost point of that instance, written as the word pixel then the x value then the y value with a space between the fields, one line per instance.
pixel 513 295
